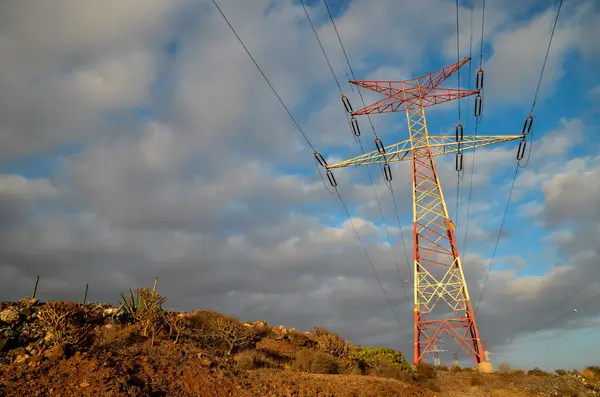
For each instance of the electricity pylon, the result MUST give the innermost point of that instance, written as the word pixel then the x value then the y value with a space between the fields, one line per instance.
pixel 438 273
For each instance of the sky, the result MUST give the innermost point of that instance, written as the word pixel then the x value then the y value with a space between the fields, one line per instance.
pixel 138 140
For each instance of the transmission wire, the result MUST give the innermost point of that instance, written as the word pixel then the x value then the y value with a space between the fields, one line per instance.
pixel 518 165
pixel 312 147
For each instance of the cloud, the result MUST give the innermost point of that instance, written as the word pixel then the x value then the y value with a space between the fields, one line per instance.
pixel 574 194
pixel 519 50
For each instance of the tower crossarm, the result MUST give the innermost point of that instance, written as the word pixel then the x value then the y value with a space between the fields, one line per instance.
pixel 403 99
pixel 439 145
pixel 403 94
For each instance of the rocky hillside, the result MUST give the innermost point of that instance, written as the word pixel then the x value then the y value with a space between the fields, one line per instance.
pixel 138 349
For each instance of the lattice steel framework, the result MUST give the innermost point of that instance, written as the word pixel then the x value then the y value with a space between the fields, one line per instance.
pixel 439 281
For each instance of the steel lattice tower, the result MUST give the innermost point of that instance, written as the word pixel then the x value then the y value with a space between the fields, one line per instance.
pixel 439 281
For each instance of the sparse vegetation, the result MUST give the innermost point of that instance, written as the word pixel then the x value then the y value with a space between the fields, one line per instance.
pixel 141 349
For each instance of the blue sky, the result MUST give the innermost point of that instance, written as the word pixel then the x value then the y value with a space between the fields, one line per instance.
pixel 164 149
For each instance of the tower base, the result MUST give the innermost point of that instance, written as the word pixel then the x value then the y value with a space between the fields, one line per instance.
pixel 485 367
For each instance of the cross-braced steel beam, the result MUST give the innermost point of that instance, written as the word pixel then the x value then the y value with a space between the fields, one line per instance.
pixel 439 280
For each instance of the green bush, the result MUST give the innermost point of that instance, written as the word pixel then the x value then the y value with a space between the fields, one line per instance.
pixel 373 357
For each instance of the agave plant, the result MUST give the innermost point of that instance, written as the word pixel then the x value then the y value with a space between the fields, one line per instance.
pixel 131 304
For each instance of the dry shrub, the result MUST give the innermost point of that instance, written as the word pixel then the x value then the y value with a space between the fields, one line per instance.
pixel 424 372
pixel 176 323
pixel 66 323
pixel 561 372
pixel 316 362
pixel 330 342
pixel 393 371
pixel 536 372
pixel 221 332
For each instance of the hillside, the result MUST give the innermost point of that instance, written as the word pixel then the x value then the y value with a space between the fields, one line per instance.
pixel 69 349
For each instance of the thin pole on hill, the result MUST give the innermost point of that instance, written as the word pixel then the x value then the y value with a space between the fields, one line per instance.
pixel 86 291
pixel 37 280
pixel 155 281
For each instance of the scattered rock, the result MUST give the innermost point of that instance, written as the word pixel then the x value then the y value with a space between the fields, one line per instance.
pixel 21 359
pixel 9 316
pixel 55 354
pixel 111 311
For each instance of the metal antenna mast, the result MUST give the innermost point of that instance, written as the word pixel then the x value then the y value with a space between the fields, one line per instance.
pixel 439 281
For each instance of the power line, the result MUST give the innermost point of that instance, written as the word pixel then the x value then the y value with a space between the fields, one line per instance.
pixel 498 238
pixel 518 165
pixel 546 57
pixel 265 77
pixel 349 65
pixel 322 48
pixel 577 290
pixel 369 260
pixel 477 118
pixel 363 151
pixel 584 304
pixel 312 147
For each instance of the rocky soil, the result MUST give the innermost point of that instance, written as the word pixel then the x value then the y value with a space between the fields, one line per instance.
pixel 68 349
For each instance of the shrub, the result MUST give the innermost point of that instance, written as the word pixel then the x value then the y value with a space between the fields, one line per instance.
pixel 176 323
pixel 330 342
pixel 65 322
pixel 219 331
pixel 323 363
pixel 393 371
pixel 316 362
pixel 424 372
pixel 368 357
pixel 537 372
pixel 594 369
pixel 144 308
pixel 561 372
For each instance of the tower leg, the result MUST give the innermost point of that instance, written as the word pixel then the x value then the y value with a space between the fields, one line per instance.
pixel 439 278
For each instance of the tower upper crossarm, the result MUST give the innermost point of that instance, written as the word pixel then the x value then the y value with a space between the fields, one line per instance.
pixel 439 144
